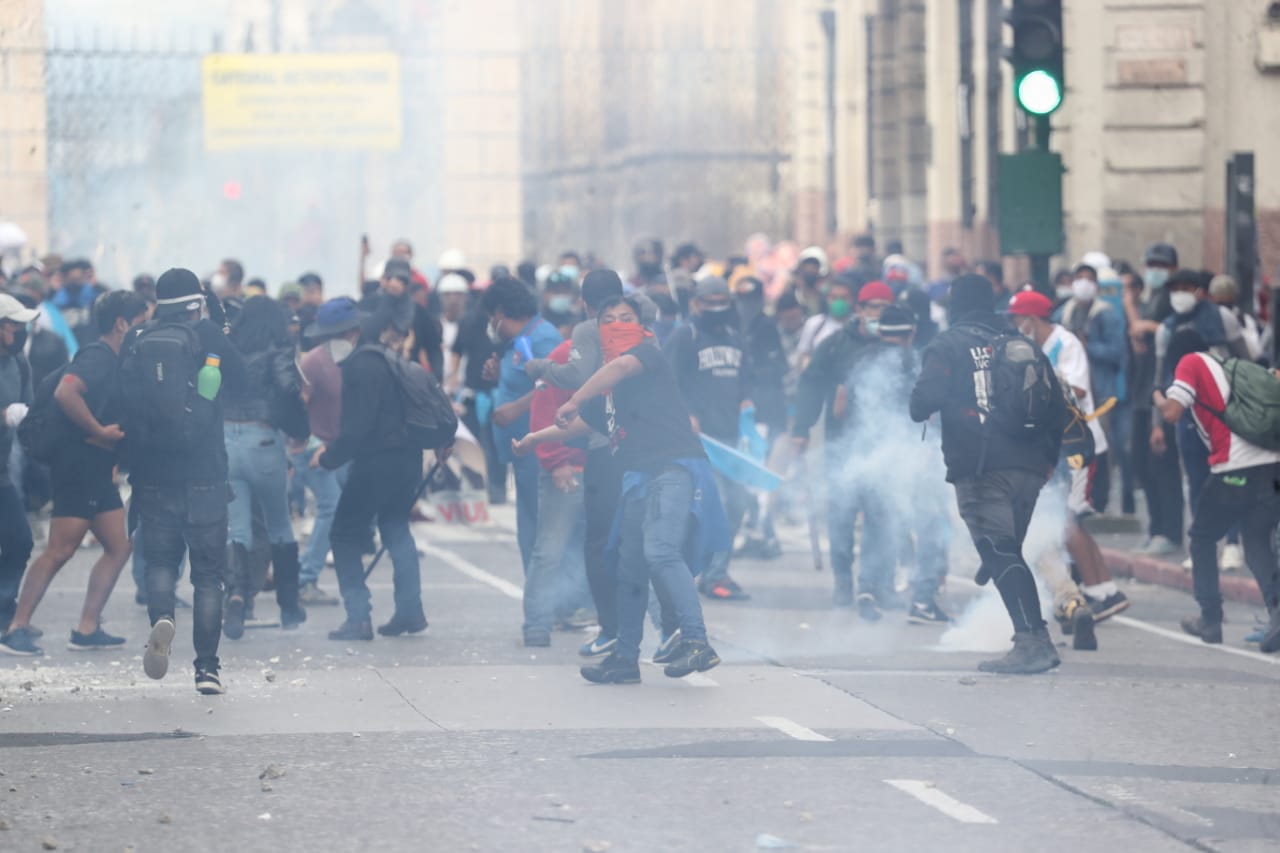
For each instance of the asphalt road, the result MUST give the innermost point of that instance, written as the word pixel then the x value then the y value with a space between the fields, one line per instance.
pixel 819 732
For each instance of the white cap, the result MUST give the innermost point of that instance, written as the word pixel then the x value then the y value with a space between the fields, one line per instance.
pixel 1097 260
pixel 815 253
pixel 453 283
pixel 12 309
pixel 452 259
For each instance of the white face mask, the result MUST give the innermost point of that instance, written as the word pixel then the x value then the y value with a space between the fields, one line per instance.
pixel 1182 302
pixel 1084 289
pixel 339 349
pixel 494 336
pixel 1063 292
pixel 218 281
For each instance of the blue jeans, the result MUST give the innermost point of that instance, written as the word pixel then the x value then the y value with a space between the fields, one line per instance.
pixel 736 500
pixel 191 517
pixel 381 485
pixel 556 583
pixel 326 485
pixel 15 549
pixel 526 470
pixel 651 548
pixel 257 469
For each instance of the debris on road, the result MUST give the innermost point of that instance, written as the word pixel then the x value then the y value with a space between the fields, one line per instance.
pixel 765 841
pixel 271 772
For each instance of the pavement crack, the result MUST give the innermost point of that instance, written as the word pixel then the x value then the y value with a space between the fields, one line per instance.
pixel 408 701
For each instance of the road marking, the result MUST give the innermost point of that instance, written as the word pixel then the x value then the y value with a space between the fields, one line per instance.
pixel 472 571
pixel 945 803
pixel 697 679
pixel 1193 641
pixel 793 729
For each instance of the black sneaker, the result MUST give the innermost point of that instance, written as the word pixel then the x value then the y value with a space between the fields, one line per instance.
pixel 668 648
pixel 927 613
pixel 1105 608
pixel 398 625
pixel 692 656
pixel 21 643
pixel 1210 632
pixel 601 645
pixel 352 631
pixel 612 670
pixel 233 618
pixel 1032 652
pixel 155 661
pixel 99 639
pixel 292 617
pixel 207 683
pixel 868 607
pixel 723 590
pixel 535 639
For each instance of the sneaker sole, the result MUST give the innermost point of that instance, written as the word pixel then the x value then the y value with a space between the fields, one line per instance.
pixel 681 672
pixel 1270 644
pixel 72 647
pixel 627 680
pixel 207 689
pixel 1112 611
pixel 18 653
pixel 924 620
pixel 156 660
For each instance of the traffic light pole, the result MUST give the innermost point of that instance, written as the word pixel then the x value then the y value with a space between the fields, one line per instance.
pixel 1039 261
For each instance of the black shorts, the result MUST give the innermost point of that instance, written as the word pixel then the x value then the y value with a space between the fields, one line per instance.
pixel 83 486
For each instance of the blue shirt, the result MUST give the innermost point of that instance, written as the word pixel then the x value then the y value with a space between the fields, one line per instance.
pixel 514 383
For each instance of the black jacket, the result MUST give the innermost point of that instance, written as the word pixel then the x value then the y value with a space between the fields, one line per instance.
pixel 768 368
pixel 947 384
pixel 269 375
pixel 829 368
pixel 372 410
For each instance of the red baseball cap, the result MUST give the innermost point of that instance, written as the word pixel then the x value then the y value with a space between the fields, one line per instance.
pixel 875 290
pixel 1029 303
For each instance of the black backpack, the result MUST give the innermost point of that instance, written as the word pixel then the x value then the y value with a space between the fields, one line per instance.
pixel 43 432
pixel 161 406
pixel 429 419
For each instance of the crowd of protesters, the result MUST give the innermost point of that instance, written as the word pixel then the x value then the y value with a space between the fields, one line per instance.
pixel 636 415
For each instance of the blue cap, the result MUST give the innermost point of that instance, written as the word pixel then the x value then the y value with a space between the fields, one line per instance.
pixel 335 317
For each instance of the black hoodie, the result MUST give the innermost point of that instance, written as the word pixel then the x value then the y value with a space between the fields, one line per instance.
pixel 951 364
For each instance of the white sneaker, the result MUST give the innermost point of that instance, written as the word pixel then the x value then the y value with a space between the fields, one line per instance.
pixel 1232 559
pixel 156 660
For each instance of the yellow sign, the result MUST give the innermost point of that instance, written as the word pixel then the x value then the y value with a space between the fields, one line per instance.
pixel 302 100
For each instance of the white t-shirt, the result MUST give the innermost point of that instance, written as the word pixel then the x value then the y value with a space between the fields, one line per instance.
pixel 1200 385
pixel 816 329
pixel 1069 359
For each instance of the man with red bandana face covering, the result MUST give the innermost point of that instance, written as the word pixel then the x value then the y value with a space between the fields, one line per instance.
pixel 668 492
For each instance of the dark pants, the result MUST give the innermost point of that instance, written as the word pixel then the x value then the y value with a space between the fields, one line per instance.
pixel 15 548
pixel 602 488
pixel 190 517
pixel 381 485
pixel 997 508
pixel 1160 478
pixel 1251 498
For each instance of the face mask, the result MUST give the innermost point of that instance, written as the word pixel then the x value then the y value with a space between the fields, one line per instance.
pixel 838 309
pixel 569 271
pixel 1063 292
pixel 1182 302
pixel 1155 277
pixel 872 327
pixel 218 281
pixel 560 304
pixel 1084 289
pixel 810 278
pixel 339 349
pixel 715 316
pixel 494 336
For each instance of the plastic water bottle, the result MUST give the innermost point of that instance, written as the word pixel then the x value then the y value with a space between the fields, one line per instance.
pixel 209 379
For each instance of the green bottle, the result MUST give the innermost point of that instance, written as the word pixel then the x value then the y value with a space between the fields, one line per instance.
pixel 209 379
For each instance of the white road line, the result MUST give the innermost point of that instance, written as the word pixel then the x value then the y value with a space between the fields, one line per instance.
pixel 1193 641
pixel 793 729
pixel 945 803
pixel 472 571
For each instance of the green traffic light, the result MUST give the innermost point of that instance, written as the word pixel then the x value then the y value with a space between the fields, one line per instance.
pixel 1039 92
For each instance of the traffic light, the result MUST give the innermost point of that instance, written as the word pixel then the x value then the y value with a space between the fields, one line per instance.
pixel 1036 54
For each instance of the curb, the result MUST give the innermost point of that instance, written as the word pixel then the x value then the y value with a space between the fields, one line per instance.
pixel 1153 571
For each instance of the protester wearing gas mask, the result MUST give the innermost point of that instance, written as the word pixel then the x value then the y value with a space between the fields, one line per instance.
pixel 714 375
